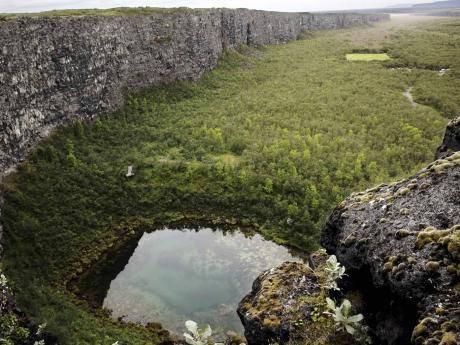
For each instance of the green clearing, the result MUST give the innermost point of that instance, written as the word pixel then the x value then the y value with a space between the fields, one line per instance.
pixel 273 138
pixel 368 57
pixel 117 11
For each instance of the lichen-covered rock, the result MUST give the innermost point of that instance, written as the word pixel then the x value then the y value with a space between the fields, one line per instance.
pixel 285 306
pixel 413 254
pixel 451 142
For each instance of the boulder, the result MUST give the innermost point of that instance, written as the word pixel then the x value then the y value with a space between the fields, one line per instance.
pixel 286 306
pixel 451 142
pixel 405 238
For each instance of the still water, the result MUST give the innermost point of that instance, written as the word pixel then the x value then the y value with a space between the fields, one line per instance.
pixel 179 275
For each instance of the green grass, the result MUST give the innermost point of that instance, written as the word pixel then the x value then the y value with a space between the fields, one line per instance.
pixel 368 57
pixel 118 11
pixel 273 138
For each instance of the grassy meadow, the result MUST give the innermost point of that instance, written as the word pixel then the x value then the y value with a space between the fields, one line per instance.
pixel 368 57
pixel 117 11
pixel 274 138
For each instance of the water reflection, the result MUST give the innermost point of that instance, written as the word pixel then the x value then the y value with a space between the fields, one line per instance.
pixel 177 275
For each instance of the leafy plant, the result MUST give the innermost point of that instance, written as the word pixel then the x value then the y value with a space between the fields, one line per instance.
pixel 334 272
pixel 197 336
pixel 347 322
pixel 342 317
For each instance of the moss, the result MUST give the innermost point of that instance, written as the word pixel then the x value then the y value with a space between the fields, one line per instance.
pixel 432 266
pixel 419 330
pixel 452 269
pixel 272 322
pixel 411 260
pixel 388 266
pixel 453 242
pixel 412 186
pixel 404 211
pixel 430 235
pixel 350 240
pixel 425 185
pixel 449 338
pixel 448 326
pixel 270 289
pixel 363 240
pixel 454 157
pixel 402 191
pixel 440 311
pixel 403 233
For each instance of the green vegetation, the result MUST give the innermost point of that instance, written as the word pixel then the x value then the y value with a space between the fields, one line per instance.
pixel 198 336
pixel 118 11
pixel 368 57
pixel 15 329
pixel 273 138
pixel 421 62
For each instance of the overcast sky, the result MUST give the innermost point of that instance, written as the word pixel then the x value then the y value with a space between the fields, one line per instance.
pixel 283 5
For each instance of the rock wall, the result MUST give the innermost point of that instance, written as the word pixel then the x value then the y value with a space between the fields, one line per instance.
pixel 55 69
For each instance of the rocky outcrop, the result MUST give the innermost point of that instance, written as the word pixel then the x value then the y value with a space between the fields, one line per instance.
pixel 405 237
pixel 270 311
pixel 451 142
pixel 56 69
pixel 286 306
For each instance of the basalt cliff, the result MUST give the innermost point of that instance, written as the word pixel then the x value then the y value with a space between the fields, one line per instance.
pixel 56 69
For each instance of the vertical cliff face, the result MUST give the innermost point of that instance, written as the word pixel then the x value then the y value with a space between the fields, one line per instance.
pixel 55 69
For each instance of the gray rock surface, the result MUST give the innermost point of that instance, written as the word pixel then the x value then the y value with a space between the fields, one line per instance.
pixel 56 69
pixel 451 142
pixel 406 237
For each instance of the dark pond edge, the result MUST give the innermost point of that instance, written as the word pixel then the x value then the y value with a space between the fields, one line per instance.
pixel 90 286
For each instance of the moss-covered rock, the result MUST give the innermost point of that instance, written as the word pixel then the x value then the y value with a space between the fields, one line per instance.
pixel 286 306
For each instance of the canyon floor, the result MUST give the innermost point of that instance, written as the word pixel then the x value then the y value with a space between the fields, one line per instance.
pixel 272 140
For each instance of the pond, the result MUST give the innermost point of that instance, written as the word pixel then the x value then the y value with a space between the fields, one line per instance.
pixel 201 275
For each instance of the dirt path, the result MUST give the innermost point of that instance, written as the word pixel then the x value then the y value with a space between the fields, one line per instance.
pixel 408 95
